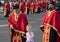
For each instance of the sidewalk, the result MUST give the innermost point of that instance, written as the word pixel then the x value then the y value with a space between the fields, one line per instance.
pixel 1 9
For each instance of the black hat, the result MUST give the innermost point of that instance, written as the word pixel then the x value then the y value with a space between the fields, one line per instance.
pixel 16 7
pixel 50 7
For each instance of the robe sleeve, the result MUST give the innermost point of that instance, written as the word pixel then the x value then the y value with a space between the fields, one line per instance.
pixel 22 23
pixel 43 21
pixel 9 21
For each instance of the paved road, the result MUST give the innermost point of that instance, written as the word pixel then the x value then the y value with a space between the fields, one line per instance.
pixel 34 20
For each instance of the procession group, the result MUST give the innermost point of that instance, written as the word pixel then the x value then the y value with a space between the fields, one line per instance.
pixel 30 6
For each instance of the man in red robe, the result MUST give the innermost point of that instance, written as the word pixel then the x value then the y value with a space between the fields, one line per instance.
pixel 51 26
pixel 21 5
pixel 6 9
pixel 22 23
pixel 45 5
pixel 27 7
pixel 41 5
pixel 36 6
pixel 32 7
pixel 13 25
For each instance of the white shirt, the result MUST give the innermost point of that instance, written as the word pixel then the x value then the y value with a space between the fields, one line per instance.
pixel 11 4
pixel 28 36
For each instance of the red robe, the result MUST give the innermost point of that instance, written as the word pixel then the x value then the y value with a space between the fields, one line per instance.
pixel 32 7
pixel 15 36
pixel 27 5
pixel 36 7
pixel 52 19
pixel 7 6
pixel 32 4
pixel 22 6
pixel 23 22
pixel 12 21
pixel 37 4
pixel 40 4
pixel 45 4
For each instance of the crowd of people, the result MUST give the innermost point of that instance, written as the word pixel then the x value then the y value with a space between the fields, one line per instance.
pixel 30 6
pixel 20 30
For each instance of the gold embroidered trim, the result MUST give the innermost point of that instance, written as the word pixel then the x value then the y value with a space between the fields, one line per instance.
pixel 46 33
pixel 23 36
pixel 17 38
pixel 18 31
pixel 53 28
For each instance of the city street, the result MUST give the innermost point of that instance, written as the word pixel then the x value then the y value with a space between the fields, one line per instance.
pixel 34 20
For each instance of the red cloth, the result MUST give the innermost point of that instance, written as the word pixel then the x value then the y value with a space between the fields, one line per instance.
pixel 6 6
pixel 11 21
pixel 27 4
pixel 40 4
pixel 54 21
pixel 23 22
pixel 36 5
pixel 22 7
pixel 45 4
pixel 32 4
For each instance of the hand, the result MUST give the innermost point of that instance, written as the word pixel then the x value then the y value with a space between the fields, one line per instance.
pixel 31 37
pixel 11 26
pixel 41 26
